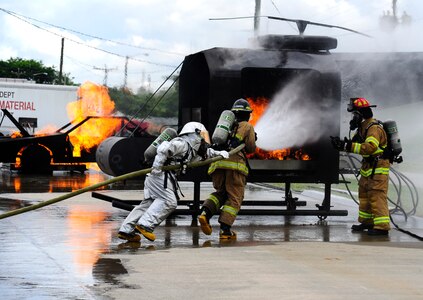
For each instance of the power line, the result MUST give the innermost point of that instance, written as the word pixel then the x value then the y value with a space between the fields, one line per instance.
pixel 83 65
pixel 80 43
pixel 277 9
pixel 89 35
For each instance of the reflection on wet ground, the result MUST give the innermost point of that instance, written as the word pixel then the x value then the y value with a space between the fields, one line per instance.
pixel 50 253
pixel 60 181
pixel 60 251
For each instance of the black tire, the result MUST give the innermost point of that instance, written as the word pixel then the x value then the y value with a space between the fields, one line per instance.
pixel 36 159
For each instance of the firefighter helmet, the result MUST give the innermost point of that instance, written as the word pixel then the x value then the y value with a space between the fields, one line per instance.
pixel 358 103
pixel 241 105
pixel 192 127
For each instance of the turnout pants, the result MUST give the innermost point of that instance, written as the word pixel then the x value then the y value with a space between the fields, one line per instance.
pixel 158 203
pixel 373 196
pixel 230 187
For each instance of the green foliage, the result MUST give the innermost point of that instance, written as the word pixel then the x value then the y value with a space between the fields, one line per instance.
pixel 32 70
pixel 143 104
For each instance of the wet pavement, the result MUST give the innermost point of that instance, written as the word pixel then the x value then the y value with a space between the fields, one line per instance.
pixel 59 181
pixel 69 250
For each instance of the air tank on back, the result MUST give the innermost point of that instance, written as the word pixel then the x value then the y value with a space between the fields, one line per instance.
pixel 166 135
pixel 223 128
pixel 391 129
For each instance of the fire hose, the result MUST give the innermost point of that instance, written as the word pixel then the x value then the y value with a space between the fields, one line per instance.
pixel 113 180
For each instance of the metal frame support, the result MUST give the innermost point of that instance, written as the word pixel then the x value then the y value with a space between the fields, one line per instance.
pixel 291 203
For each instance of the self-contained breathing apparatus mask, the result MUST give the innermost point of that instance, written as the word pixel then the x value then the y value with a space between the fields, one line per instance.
pixel 356 120
pixel 361 109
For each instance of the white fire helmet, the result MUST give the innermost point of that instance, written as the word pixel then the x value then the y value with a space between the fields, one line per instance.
pixel 191 127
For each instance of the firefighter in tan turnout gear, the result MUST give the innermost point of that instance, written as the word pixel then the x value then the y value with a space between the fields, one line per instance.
pixel 229 176
pixel 370 141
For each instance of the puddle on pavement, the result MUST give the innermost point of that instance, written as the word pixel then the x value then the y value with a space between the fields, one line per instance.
pixel 60 181
pixel 107 270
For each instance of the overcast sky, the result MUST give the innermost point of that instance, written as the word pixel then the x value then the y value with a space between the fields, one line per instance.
pixel 99 34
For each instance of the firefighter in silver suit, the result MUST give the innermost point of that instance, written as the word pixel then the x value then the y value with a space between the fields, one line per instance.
pixel 161 187
pixel 229 176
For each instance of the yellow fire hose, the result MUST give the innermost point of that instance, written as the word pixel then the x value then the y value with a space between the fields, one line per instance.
pixel 115 179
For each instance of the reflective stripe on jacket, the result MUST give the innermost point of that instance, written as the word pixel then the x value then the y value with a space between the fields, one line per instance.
pixel 229 165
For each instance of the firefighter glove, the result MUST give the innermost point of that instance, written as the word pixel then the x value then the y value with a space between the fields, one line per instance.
pixel 224 154
pixel 156 171
pixel 213 153
pixel 337 143
pixel 341 145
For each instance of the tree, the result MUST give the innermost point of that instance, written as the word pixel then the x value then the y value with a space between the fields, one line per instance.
pixel 143 104
pixel 162 104
pixel 32 70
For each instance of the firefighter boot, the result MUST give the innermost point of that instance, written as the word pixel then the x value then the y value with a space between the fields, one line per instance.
pixel 147 233
pixel 204 223
pixel 361 227
pixel 130 237
pixel 226 233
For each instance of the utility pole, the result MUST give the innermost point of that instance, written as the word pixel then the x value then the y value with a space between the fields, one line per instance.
pixel 106 73
pixel 257 17
pixel 148 82
pixel 18 73
pixel 125 78
pixel 61 61
pixel 394 8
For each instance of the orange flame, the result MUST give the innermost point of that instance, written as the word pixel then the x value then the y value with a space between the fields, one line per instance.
pixel 16 134
pixel 46 130
pixel 94 100
pixel 259 106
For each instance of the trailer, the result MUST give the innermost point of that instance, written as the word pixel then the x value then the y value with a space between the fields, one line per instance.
pixel 32 105
pixel 45 153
